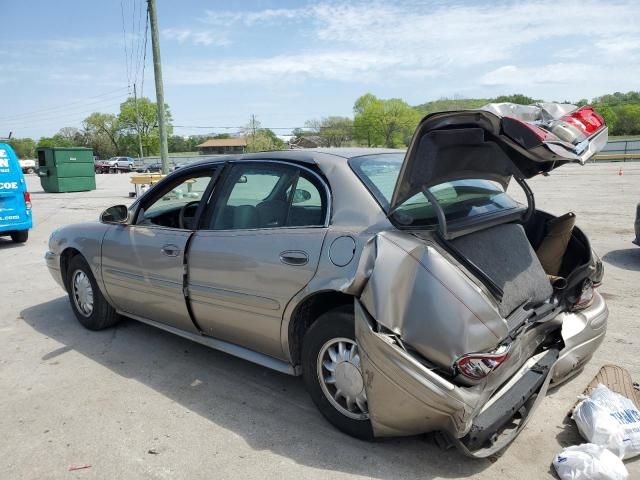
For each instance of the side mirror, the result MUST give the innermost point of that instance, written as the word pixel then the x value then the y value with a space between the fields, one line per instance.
pixel 115 214
pixel 300 196
pixel 242 179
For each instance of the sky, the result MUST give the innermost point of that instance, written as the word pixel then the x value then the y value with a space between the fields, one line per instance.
pixel 287 62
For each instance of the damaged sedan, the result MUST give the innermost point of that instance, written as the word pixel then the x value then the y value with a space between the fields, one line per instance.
pixel 417 291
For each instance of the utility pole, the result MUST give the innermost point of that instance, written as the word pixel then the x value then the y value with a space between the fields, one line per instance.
pixel 135 99
pixel 157 70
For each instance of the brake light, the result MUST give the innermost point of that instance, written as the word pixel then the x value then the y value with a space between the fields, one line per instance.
pixel 586 295
pixel 587 119
pixel 478 365
pixel 578 125
pixel 27 200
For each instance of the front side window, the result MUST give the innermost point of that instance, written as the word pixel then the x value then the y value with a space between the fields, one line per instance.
pixel 459 199
pixel 175 205
pixel 268 196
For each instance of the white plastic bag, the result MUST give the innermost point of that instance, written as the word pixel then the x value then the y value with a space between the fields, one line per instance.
pixel 611 420
pixel 589 462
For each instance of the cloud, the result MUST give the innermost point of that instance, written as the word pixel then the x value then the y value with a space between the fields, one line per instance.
pixel 521 77
pixel 348 65
pixel 412 40
pixel 196 37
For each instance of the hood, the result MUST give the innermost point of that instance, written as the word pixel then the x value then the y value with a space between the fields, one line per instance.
pixel 497 142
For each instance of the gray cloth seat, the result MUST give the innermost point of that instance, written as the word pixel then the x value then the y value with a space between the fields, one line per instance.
pixel 505 255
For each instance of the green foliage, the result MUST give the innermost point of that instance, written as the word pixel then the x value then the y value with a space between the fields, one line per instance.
pixel 56 141
pixel 264 140
pixel 380 122
pixel 24 147
pixel 142 120
pixel 333 131
pixel 104 134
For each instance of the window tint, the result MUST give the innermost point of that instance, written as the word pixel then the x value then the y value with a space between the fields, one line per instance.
pixel 309 203
pixel 458 198
pixel 268 196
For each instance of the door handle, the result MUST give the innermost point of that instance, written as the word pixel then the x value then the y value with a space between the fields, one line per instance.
pixel 171 250
pixel 294 257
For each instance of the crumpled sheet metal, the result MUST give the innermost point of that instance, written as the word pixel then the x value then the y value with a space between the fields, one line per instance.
pixel 540 113
pixel 417 294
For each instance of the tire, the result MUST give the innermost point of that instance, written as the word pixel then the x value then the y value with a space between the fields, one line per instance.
pixel 102 315
pixel 20 236
pixel 31 170
pixel 330 327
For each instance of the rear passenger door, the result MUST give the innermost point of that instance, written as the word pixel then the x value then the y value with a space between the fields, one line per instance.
pixel 261 246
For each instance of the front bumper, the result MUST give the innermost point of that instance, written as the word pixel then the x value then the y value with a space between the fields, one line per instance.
pixel 53 264
pixel 405 397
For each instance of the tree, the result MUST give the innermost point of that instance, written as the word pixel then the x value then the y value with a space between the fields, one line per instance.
pixel 142 121
pixel 261 139
pixel 627 119
pixel 55 141
pixel 333 131
pixel 515 98
pixel 24 147
pixel 102 128
pixel 389 123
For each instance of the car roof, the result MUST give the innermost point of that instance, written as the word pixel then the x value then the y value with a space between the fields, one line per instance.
pixel 313 156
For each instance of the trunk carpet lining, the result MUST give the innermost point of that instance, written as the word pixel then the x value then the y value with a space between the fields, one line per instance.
pixel 505 255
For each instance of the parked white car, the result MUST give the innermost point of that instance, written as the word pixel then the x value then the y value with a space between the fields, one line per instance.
pixel 28 166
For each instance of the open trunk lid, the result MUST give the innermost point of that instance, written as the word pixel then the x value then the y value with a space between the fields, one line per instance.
pixel 497 142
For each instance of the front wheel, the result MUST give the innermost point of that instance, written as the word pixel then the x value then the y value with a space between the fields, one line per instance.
pixel 89 305
pixel 333 374
pixel 20 236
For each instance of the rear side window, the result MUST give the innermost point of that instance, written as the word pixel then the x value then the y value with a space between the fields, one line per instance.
pixel 459 199
pixel 269 196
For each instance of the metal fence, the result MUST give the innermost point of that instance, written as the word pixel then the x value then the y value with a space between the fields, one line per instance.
pixel 619 151
pixel 614 151
pixel 173 160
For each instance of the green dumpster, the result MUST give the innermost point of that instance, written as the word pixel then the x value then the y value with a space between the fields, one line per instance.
pixel 66 169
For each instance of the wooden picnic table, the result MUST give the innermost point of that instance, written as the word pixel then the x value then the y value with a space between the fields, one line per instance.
pixel 140 179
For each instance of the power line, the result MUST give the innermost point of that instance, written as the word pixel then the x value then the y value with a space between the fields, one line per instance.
pixel 20 116
pixel 144 58
pixel 56 117
pixel 124 41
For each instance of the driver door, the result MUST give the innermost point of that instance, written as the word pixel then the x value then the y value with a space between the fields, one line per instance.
pixel 143 262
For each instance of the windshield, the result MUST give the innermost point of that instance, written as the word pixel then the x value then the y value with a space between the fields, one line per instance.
pixel 459 199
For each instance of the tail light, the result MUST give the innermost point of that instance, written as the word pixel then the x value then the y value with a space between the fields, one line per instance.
pixel 577 126
pixel 585 298
pixel 572 128
pixel 478 365
pixel 27 200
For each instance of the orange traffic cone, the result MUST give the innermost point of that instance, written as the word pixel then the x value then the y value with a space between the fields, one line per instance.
pixel 620 172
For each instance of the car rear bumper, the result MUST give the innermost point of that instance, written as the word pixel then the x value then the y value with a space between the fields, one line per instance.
pixel 53 264
pixel 12 227
pixel 405 397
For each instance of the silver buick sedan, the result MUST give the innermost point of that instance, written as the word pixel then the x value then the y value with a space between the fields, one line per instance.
pixel 411 291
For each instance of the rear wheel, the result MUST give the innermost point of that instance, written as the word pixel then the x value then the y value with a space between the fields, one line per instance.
pixel 89 305
pixel 20 236
pixel 333 374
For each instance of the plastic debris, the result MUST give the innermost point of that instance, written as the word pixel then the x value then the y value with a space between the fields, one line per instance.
pixel 589 462
pixel 73 468
pixel 611 420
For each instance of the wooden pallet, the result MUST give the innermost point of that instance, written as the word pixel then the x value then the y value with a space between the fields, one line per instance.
pixel 616 379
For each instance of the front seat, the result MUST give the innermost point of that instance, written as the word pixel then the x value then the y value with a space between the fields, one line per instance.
pixel 245 216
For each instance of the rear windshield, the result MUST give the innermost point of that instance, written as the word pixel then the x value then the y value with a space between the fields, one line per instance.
pixel 460 199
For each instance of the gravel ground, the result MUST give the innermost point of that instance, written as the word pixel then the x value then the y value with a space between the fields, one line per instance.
pixel 135 402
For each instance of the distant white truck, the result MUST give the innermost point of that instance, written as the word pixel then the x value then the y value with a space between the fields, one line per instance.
pixel 28 166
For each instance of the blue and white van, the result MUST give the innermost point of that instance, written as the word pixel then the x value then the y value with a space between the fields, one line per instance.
pixel 15 201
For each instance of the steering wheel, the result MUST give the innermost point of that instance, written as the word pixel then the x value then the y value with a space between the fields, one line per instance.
pixel 182 216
